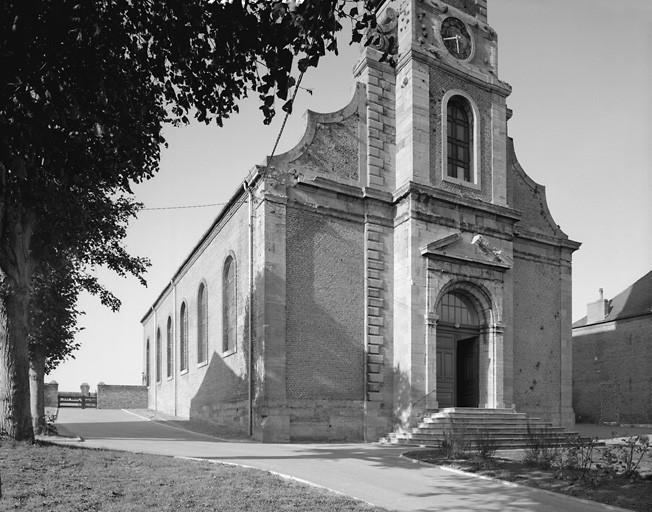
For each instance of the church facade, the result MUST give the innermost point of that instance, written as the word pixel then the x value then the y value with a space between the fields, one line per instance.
pixel 398 260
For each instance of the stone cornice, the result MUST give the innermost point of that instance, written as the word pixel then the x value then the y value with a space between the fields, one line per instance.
pixel 487 81
pixel 545 239
pixel 455 249
pixel 454 199
pixel 465 260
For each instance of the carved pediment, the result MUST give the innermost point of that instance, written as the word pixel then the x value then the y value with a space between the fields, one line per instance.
pixel 467 248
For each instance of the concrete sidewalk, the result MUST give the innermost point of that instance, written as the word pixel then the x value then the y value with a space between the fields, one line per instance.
pixel 372 473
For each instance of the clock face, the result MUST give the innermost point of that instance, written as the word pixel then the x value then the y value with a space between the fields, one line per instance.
pixel 456 38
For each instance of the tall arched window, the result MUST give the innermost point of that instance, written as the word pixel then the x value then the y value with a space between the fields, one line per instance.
pixel 158 355
pixel 456 309
pixel 229 305
pixel 183 338
pixel 170 349
pixel 202 324
pixel 459 138
pixel 147 363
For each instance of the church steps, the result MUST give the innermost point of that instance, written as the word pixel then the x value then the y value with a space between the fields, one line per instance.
pixel 505 427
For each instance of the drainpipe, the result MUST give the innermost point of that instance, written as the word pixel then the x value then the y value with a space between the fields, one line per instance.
pixel 250 361
pixel 154 365
pixel 174 343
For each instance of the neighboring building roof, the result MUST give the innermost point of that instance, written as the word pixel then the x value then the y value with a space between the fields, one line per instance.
pixel 634 301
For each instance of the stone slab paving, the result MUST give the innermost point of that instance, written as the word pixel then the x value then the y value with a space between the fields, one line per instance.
pixel 372 473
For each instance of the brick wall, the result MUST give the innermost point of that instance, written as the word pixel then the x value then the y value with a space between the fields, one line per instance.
pixel 537 346
pixel 325 307
pixel 121 397
pixel 192 392
pixel 612 371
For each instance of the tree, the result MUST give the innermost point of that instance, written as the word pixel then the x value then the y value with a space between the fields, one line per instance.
pixel 61 273
pixel 85 91
pixel 53 325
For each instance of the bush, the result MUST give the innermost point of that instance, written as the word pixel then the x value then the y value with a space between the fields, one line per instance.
pixel 486 444
pixel 456 442
pixel 540 451
pixel 578 458
pixel 626 458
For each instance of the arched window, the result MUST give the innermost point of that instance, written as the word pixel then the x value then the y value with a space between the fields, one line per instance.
pixel 456 309
pixel 170 349
pixel 147 362
pixel 459 138
pixel 202 324
pixel 158 355
pixel 183 338
pixel 229 305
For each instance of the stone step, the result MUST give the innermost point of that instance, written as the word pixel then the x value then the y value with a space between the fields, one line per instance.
pixel 465 415
pixel 495 437
pixel 474 410
pixel 492 429
pixel 485 421
pixel 505 444
pixel 486 426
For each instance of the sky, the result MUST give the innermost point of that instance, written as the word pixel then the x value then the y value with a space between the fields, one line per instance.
pixel 581 73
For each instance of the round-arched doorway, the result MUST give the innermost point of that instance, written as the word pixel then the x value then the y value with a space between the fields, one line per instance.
pixel 458 332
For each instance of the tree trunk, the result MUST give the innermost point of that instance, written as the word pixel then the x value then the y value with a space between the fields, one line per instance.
pixel 37 389
pixel 15 275
pixel 15 418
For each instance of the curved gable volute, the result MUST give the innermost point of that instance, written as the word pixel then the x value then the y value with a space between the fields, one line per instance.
pixel 528 197
pixel 330 144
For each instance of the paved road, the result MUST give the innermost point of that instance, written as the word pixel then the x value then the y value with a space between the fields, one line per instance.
pixel 375 474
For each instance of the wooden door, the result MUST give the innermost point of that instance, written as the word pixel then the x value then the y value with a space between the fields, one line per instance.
pixel 446 370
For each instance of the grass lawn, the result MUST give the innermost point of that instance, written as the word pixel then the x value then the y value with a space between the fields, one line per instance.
pixel 44 478
pixel 630 493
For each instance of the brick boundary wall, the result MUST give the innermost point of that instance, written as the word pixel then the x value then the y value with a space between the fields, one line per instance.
pixel 121 397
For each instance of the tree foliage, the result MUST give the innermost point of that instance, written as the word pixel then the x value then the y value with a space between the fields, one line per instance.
pixel 85 90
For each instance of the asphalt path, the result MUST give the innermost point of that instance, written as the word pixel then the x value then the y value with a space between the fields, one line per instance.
pixel 373 473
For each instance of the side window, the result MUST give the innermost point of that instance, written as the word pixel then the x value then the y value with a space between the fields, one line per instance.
pixel 202 324
pixel 170 348
pixel 147 363
pixel 229 305
pixel 158 355
pixel 183 338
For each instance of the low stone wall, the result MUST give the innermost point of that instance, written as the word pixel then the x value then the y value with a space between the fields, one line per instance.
pixel 51 392
pixel 224 418
pixel 121 397
pixel 326 420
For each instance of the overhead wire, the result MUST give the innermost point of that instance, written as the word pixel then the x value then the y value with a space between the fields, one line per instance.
pixel 278 138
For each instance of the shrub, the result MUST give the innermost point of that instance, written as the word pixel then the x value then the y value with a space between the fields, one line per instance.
pixel 578 458
pixel 626 458
pixel 540 451
pixel 456 442
pixel 486 444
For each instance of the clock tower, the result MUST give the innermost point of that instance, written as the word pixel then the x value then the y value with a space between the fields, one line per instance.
pixel 450 103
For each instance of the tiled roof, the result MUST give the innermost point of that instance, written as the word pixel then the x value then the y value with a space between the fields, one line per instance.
pixel 634 301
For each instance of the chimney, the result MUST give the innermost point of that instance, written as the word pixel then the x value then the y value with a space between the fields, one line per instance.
pixel 597 311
